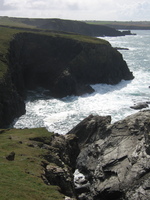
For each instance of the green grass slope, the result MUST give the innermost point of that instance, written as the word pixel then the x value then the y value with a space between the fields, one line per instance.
pixel 20 179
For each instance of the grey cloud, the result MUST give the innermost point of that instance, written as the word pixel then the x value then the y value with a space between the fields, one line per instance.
pixel 5 7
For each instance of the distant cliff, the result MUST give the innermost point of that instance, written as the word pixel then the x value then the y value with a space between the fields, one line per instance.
pixel 127 25
pixel 64 64
pixel 71 26
pixel 74 26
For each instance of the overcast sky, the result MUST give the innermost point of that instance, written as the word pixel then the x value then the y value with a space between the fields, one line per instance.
pixel 126 10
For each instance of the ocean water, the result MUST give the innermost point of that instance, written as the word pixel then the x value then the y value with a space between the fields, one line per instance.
pixel 61 115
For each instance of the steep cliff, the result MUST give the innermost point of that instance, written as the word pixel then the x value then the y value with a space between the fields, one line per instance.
pixel 72 26
pixel 66 64
pixel 11 103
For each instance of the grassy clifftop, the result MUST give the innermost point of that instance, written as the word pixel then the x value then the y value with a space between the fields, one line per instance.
pixel 21 178
pixel 7 34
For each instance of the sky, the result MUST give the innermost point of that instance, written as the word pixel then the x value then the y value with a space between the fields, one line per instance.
pixel 114 10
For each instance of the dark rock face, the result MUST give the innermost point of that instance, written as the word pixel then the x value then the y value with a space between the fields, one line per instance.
pixel 11 103
pixel 115 158
pixel 61 157
pixel 64 66
pixel 91 129
pixel 59 161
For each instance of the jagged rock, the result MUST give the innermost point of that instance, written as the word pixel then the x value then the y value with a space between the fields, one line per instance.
pixel 60 176
pixel 11 156
pixel 62 153
pixel 116 157
pixel 91 129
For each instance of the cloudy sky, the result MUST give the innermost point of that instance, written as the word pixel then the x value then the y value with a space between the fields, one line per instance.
pixel 78 9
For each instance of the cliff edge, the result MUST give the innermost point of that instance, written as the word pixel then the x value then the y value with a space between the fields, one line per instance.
pixel 65 64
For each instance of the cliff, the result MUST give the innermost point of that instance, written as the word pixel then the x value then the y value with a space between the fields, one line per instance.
pixel 114 158
pixel 127 25
pixel 65 64
pixel 77 27
pixel 72 26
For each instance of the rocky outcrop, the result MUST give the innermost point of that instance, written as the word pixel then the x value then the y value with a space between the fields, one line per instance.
pixel 62 152
pixel 62 65
pixel 115 158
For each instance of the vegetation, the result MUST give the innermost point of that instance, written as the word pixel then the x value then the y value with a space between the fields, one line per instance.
pixel 14 22
pixel 6 34
pixel 21 178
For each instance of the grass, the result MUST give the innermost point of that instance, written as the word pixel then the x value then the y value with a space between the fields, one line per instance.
pixel 87 39
pixel 14 22
pixel 6 35
pixel 21 178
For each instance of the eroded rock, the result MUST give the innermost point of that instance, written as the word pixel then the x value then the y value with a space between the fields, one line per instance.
pixel 117 162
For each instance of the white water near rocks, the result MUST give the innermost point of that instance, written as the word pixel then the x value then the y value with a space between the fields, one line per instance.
pixel 60 115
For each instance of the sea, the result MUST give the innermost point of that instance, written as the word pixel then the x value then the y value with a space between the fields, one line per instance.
pixel 61 115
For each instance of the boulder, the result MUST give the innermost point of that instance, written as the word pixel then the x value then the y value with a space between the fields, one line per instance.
pixel 139 106
pixel 11 156
pixel 115 158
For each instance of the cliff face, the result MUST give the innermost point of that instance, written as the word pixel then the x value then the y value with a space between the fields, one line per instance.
pixel 62 65
pixel 77 27
pixel 11 103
